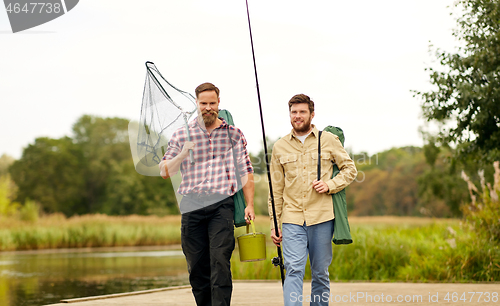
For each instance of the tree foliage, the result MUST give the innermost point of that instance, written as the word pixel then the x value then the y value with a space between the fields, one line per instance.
pixel 386 183
pixel 441 190
pixel 5 162
pixel 7 206
pixel 466 98
pixel 50 172
pixel 102 141
pixel 407 181
pixel 91 172
pixel 259 160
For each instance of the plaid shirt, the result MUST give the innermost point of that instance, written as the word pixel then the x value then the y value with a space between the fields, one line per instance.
pixel 213 171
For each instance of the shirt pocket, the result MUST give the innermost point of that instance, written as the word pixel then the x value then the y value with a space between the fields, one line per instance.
pixel 326 165
pixel 290 165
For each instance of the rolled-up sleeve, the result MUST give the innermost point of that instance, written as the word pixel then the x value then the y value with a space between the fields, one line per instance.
pixel 173 149
pixel 244 163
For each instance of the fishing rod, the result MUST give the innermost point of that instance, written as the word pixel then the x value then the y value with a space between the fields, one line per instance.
pixel 277 261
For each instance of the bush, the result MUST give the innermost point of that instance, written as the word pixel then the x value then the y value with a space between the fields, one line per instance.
pixel 483 214
pixel 7 189
pixel 29 211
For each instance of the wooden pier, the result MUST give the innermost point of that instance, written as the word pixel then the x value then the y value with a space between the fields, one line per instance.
pixel 269 293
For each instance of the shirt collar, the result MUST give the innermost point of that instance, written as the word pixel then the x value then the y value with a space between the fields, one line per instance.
pixel 196 124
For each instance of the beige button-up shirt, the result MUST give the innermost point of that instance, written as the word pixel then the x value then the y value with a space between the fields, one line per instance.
pixel 294 166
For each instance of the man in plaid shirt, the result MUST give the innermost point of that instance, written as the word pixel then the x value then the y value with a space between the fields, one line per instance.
pixel 207 208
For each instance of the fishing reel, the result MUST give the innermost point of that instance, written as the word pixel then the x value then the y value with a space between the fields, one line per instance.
pixel 276 261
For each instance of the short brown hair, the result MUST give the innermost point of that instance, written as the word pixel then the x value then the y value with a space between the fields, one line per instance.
pixel 301 98
pixel 206 87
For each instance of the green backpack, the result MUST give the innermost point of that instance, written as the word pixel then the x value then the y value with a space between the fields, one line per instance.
pixel 238 197
pixel 341 231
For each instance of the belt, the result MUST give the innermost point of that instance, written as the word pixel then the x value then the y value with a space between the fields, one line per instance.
pixel 205 196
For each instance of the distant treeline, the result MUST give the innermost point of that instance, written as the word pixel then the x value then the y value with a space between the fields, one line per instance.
pixel 92 172
pixel 402 182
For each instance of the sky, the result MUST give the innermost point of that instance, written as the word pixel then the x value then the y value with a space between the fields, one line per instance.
pixel 358 61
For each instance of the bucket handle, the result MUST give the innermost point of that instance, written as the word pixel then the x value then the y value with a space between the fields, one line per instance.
pixel 253 227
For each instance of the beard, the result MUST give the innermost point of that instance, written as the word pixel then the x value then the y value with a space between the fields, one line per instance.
pixel 304 127
pixel 210 119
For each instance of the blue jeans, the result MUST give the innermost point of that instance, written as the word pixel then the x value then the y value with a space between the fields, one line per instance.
pixel 297 242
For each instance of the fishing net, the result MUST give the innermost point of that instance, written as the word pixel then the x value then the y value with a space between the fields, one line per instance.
pixel 164 109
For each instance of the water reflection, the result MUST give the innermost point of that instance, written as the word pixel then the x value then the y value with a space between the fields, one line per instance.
pixel 40 278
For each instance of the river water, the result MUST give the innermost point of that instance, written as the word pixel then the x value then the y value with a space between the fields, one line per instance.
pixel 34 278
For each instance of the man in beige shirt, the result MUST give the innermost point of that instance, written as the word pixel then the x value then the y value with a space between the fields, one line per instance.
pixel 303 204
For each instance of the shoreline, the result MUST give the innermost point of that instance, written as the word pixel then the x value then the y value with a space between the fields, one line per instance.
pixel 95 249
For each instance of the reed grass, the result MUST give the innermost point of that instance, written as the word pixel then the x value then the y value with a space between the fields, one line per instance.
pixel 56 231
pixel 384 248
pixel 420 251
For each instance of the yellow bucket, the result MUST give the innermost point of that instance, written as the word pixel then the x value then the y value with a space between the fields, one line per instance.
pixel 252 246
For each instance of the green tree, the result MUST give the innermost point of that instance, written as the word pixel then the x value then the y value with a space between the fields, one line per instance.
pixel 50 172
pixel 92 172
pixel 5 162
pixel 259 161
pixel 129 192
pixel 441 191
pixel 7 206
pixel 466 98
pixel 387 183
pixel 101 141
pixel 7 188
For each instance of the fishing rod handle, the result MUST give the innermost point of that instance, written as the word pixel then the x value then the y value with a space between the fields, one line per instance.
pixel 191 156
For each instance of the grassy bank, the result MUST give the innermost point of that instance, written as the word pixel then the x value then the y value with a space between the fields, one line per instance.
pixel 399 249
pixel 56 231
pixel 384 248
